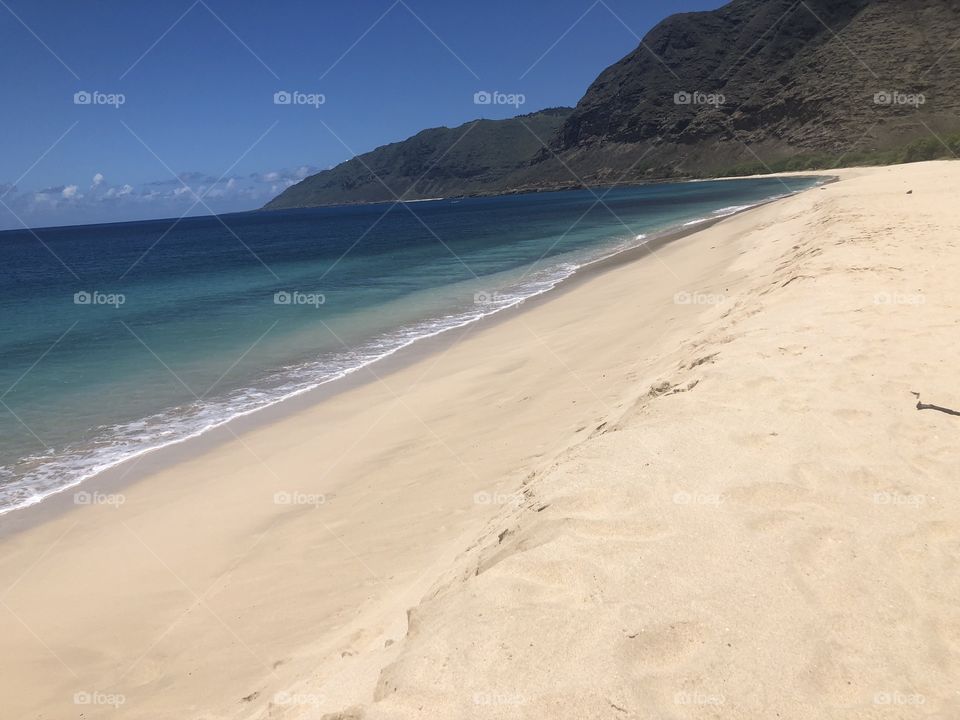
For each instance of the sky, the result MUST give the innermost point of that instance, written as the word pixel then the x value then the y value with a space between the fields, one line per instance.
pixel 119 111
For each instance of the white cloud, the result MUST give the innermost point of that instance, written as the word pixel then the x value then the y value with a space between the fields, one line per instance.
pixel 166 197
pixel 119 192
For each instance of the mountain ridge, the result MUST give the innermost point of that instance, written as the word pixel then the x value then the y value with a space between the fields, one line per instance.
pixel 436 162
pixel 798 77
pixel 754 86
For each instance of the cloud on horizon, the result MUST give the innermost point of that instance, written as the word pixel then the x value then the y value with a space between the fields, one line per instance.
pixel 190 193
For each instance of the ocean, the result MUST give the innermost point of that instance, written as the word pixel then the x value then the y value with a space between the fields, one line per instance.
pixel 119 339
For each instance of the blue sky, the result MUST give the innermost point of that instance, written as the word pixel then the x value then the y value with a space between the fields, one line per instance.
pixel 186 90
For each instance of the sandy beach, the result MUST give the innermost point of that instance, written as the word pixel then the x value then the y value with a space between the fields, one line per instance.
pixel 694 485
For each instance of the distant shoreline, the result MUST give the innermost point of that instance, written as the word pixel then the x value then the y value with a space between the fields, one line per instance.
pixel 153 460
pixel 545 189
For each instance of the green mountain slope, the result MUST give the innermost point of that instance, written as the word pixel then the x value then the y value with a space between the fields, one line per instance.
pixel 439 162
pixel 827 78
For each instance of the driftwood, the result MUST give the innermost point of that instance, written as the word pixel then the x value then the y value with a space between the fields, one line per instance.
pixel 938 408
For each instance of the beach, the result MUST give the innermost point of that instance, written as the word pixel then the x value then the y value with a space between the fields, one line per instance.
pixel 694 484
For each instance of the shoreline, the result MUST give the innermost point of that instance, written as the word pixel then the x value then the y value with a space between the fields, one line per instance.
pixel 152 460
pixel 565 188
pixel 738 503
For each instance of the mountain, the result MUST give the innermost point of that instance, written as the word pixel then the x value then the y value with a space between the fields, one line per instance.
pixel 438 162
pixel 761 81
pixel 756 85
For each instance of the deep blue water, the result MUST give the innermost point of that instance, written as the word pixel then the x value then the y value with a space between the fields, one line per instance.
pixel 115 339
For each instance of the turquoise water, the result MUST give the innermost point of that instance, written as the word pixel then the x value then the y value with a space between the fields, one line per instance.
pixel 119 339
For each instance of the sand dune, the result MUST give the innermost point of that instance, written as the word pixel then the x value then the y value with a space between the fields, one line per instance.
pixel 697 485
